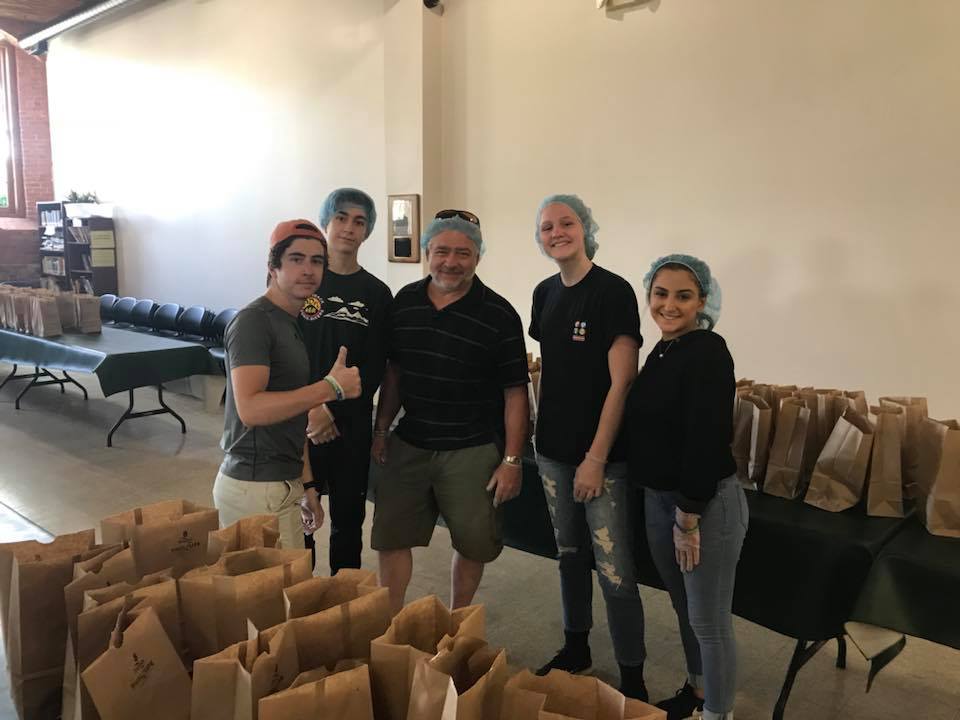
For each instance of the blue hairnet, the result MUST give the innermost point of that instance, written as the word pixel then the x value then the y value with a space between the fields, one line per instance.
pixel 343 197
pixel 585 215
pixel 709 287
pixel 457 224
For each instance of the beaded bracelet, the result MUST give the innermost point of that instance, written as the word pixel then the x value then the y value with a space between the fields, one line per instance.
pixel 687 531
pixel 335 385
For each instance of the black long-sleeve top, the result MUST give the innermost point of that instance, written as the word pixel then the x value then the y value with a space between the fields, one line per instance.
pixel 679 419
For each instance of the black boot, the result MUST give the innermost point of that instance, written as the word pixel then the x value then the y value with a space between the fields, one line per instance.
pixel 573 657
pixel 682 705
pixel 631 682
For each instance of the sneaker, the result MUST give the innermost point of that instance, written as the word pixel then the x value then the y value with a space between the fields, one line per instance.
pixel 569 659
pixel 682 705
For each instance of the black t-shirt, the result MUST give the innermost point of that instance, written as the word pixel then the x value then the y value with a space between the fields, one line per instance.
pixel 349 310
pixel 679 419
pixel 575 327
pixel 454 365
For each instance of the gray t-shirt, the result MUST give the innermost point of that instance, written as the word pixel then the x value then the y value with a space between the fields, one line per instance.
pixel 264 334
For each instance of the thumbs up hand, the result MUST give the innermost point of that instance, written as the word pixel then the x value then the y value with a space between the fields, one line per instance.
pixel 347 377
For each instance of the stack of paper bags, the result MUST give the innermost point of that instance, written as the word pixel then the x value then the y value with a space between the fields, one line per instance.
pixel 33 576
pixel 414 635
pixel 171 534
pixel 140 675
pixel 231 684
pixel 562 696
pixel 247 585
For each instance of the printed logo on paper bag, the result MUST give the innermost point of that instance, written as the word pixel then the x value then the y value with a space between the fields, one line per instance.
pixel 185 544
pixel 141 671
pixel 580 331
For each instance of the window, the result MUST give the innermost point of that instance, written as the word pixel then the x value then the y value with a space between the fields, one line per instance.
pixel 11 188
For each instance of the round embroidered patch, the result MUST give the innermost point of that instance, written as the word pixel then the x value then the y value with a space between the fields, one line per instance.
pixel 312 308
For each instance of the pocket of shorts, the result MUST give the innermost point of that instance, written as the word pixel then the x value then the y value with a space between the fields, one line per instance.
pixel 279 495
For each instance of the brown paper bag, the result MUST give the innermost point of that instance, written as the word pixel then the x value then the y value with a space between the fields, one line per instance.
pixel 885 483
pixel 21 311
pixel 101 607
pixel 44 317
pixel 67 310
pixel 32 578
pixel 915 410
pixel 321 593
pixel 464 680
pixel 230 684
pixel 140 675
pixel 88 313
pixel 562 696
pixel 785 475
pixel 343 631
pixel 754 422
pixel 113 564
pixel 247 532
pixel 938 486
pixel 857 399
pixel 218 600
pixel 340 696
pixel 414 635
pixel 841 470
pixel 171 534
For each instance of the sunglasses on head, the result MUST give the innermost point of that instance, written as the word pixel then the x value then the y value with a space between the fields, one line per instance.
pixel 462 214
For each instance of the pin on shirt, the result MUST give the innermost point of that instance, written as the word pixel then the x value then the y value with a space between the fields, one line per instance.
pixel 580 331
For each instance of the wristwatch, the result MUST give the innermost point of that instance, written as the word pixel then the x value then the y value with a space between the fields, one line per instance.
pixel 512 460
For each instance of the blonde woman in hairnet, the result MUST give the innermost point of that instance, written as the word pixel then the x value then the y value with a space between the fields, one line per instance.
pixel 587 322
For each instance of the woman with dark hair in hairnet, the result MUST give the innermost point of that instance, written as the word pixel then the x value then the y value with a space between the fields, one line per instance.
pixel 679 426
pixel 588 324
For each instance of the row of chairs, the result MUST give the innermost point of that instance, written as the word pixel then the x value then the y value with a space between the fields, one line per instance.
pixel 193 323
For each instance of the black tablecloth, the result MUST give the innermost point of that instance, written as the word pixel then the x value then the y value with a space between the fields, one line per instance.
pixel 121 359
pixel 802 568
pixel 914 586
pixel 800 573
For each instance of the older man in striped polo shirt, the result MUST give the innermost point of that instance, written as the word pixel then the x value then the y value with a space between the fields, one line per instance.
pixel 458 368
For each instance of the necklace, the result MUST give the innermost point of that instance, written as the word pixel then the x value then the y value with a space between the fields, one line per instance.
pixel 667 347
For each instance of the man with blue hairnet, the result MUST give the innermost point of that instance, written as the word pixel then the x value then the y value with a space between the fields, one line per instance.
pixel 349 310
pixel 458 368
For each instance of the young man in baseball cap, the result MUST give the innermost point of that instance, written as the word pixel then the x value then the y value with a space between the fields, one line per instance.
pixel 269 391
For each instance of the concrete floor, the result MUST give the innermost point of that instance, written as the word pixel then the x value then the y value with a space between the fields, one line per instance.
pixel 57 476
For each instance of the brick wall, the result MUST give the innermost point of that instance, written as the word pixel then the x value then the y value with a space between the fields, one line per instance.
pixel 18 237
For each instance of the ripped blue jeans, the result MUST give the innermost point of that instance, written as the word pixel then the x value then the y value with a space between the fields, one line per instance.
pixel 600 533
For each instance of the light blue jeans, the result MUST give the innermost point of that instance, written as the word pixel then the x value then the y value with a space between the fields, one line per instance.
pixel 600 532
pixel 703 598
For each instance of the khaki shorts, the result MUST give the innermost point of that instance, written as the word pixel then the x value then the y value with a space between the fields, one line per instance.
pixel 239 498
pixel 416 486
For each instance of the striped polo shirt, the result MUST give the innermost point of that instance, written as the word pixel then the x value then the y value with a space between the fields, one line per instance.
pixel 454 365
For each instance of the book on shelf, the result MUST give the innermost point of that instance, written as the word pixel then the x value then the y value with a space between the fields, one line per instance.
pixel 86 262
pixel 83 286
pixel 80 234
pixel 52 244
pixel 50 217
pixel 53 265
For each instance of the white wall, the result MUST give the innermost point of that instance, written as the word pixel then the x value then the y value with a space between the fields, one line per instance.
pixel 208 122
pixel 808 151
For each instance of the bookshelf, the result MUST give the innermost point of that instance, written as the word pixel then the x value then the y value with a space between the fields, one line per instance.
pixel 78 247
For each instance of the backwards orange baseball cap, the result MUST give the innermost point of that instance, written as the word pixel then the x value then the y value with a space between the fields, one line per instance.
pixel 296 228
